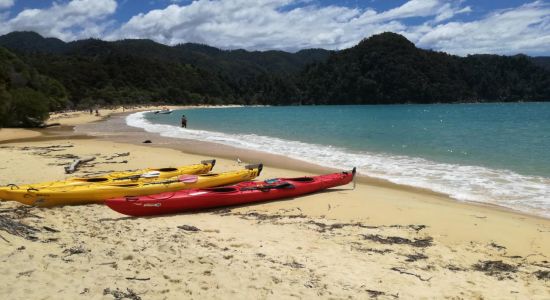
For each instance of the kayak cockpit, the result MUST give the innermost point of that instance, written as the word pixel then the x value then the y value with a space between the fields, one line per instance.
pixel 209 175
pixel 300 179
pixel 166 169
pixel 222 190
pixel 95 179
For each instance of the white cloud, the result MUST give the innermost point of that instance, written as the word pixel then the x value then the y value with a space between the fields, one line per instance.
pixel 6 3
pixel 523 29
pixel 268 24
pixel 68 21
pixel 412 8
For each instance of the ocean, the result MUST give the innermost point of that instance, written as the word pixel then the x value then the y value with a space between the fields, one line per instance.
pixel 489 153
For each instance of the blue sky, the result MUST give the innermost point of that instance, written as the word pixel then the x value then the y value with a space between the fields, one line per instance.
pixel 456 26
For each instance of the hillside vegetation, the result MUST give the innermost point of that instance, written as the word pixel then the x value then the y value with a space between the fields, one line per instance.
pixel 26 96
pixel 387 68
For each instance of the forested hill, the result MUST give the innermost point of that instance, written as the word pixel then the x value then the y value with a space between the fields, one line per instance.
pixel 542 61
pixel 233 62
pixel 385 68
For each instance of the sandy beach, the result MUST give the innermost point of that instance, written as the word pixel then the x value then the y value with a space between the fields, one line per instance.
pixel 379 240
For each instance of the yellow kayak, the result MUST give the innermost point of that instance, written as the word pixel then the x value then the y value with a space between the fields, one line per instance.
pixel 142 175
pixel 97 193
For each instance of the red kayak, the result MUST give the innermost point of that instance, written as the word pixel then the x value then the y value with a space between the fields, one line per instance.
pixel 242 193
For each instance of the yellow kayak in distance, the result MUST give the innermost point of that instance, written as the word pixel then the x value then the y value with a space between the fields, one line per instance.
pixel 97 193
pixel 142 175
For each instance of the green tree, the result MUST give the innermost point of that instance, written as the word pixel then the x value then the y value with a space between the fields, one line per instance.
pixel 29 108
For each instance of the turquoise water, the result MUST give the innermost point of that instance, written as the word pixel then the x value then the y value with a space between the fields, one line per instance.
pixel 509 136
pixel 496 153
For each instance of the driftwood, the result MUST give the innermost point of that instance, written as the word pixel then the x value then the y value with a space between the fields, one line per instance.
pixel 136 278
pixel 74 165
pixel 50 229
pixel 409 273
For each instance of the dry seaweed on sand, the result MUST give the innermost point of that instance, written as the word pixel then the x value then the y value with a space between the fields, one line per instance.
pixel 497 246
pixel 117 155
pixel 375 294
pixel 421 243
pixel 17 228
pixel 20 212
pixel 377 251
pixel 454 268
pixel 496 268
pixel 322 227
pixel 45 150
pixel 66 156
pixel 119 295
pixel 189 228
pixel 542 275
pixel 294 264
pixel 262 217
pixel 26 273
pixel 75 250
pixel 222 211
pixel 416 256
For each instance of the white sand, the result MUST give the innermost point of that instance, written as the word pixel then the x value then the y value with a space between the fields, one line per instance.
pixel 274 250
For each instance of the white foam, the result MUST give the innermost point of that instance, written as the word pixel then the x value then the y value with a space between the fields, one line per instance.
pixel 529 194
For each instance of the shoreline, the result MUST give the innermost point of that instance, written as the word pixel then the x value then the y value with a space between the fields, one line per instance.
pixel 228 153
pixel 283 162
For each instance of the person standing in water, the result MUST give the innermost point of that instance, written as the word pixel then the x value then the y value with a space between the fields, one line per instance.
pixel 183 121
